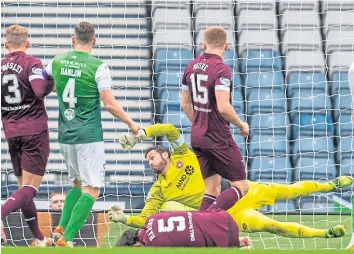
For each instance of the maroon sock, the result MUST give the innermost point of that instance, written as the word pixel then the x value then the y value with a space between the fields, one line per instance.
pixel 30 213
pixel 227 199
pixel 17 200
pixel 207 201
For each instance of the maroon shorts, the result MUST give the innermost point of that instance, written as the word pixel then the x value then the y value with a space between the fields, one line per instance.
pixel 29 153
pixel 228 163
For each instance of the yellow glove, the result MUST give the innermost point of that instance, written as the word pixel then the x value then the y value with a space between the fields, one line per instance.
pixel 129 140
pixel 116 214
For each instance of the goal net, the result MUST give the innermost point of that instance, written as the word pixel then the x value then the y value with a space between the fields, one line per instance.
pixel 289 62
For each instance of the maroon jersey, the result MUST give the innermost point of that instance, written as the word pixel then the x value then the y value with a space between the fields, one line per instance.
pixel 22 112
pixel 202 77
pixel 214 228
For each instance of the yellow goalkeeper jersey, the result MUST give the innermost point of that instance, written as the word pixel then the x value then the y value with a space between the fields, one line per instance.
pixel 182 183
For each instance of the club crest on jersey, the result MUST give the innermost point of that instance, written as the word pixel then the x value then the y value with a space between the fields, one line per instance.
pixel 69 114
pixel 225 81
pixel 179 164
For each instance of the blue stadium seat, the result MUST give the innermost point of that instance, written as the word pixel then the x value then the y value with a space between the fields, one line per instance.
pixel 238 102
pixel 241 143
pixel 342 103
pixel 320 147
pixel 303 102
pixel 275 123
pixel 168 80
pixel 176 116
pixel 344 125
pixel 306 82
pixel 345 148
pixel 230 57
pixel 346 167
pixel 236 79
pixel 283 207
pixel 265 101
pixel 339 83
pixel 276 168
pixel 260 60
pixel 268 145
pixel 307 124
pixel 319 169
pixel 315 204
pixel 169 97
pixel 270 79
pixel 172 59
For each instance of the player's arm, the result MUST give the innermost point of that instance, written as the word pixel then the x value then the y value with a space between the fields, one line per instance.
pixel 104 85
pixel 351 87
pixel 40 86
pixel 186 100
pixel 48 75
pixel 222 94
pixel 152 206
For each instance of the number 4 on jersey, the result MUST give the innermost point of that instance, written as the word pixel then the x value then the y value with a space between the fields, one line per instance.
pixel 69 93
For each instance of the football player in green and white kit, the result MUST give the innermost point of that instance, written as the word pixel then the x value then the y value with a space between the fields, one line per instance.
pixel 81 80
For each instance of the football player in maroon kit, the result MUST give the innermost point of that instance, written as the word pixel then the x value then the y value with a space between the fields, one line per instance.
pixel 206 100
pixel 25 124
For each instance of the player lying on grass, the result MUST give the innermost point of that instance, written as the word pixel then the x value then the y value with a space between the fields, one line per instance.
pixel 166 189
pixel 25 123
pixel 214 228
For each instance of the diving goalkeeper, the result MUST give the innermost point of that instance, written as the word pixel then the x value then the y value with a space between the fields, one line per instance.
pixel 245 213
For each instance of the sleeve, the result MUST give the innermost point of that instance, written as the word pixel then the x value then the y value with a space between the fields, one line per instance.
pixel 172 134
pixel 153 204
pixel 40 86
pixel 103 78
pixel 35 69
pixel 47 72
pixel 184 79
pixel 223 78
pixel 351 83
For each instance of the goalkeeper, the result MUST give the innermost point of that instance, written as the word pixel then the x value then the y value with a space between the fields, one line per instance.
pixel 245 213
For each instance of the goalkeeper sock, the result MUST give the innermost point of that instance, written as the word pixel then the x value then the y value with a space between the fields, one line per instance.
pixel 296 230
pixel 72 197
pixel 227 199
pixel 207 202
pixel 79 215
pixel 29 211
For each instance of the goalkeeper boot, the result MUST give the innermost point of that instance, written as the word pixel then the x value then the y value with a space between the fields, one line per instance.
pixel 58 232
pixel 63 243
pixel 46 242
pixel 336 231
pixel 350 247
pixel 3 235
pixel 341 182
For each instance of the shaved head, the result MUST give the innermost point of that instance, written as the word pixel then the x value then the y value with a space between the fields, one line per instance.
pixel 215 37
pixel 16 36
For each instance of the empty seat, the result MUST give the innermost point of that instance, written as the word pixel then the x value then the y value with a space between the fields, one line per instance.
pixel 265 101
pixel 309 124
pixel 342 103
pixel 164 19
pixel 338 20
pixel 176 117
pixel 319 169
pixel 212 4
pixel 167 59
pixel 339 83
pixel 264 5
pixel 338 40
pixel 166 80
pixel 346 167
pixel 306 82
pixel 316 204
pixel 310 102
pixel 275 123
pixel 173 38
pixel 176 4
pixel 305 61
pixel 344 125
pixel 256 20
pixel 270 79
pixel 298 5
pixel 230 40
pixel 268 145
pixel 340 61
pixel 335 5
pixel 212 17
pixel 307 40
pixel 256 40
pixel 283 206
pixel 238 102
pixel 321 147
pixel 230 57
pixel 271 168
pixel 240 141
pixel 299 20
pixel 169 97
pixel 345 149
pixel 260 60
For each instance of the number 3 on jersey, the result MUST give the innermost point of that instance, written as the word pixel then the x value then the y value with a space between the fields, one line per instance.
pixel 200 93
pixel 69 93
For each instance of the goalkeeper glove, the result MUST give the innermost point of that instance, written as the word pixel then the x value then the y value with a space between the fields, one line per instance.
pixel 116 214
pixel 129 140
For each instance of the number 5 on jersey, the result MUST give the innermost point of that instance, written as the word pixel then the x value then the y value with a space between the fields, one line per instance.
pixel 69 93
pixel 181 224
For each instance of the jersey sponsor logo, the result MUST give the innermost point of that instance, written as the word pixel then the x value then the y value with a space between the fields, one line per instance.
pixel 183 181
pixel 69 114
pixel 37 71
pixel 149 232
pixel 179 164
pixel 191 227
pixel 225 81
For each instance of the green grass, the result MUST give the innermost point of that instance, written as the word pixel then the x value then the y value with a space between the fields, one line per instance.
pixel 262 241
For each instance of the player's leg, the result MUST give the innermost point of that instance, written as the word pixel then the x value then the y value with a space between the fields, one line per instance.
pixel 91 163
pixel 305 188
pixel 351 243
pixel 229 164
pixel 211 179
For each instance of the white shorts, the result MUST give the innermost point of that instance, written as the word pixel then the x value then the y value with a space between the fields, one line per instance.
pixel 85 162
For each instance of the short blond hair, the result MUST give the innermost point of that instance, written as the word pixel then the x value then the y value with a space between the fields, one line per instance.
pixel 215 37
pixel 16 35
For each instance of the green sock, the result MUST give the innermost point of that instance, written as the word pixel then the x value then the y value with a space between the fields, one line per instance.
pixel 71 198
pixel 79 215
